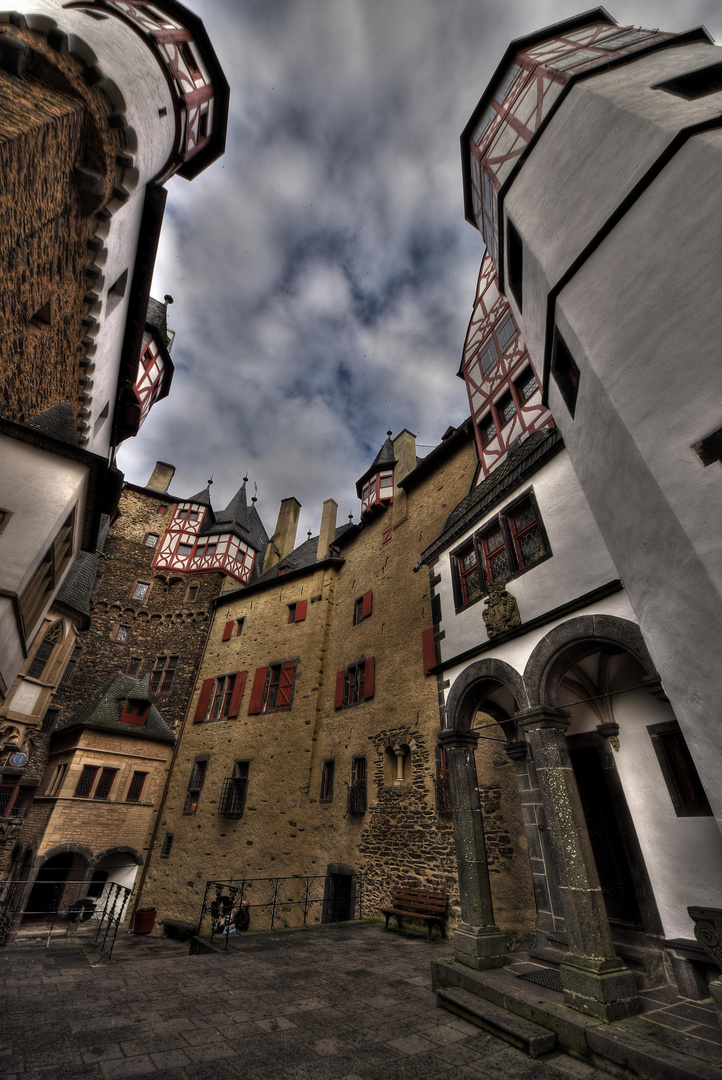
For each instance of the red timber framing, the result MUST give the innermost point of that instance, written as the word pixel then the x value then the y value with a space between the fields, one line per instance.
pixel 194 77
pixel 182 549
pixel 522 96
pixel 505 397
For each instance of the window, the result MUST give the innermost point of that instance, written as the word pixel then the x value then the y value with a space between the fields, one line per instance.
pixel 220 698
pixel 69 673
pixel 355 684
pixel 151 539
pixel 161 677
pixel 443 789
pixel 136 787
pixel 185 549
pixel 695 84
pixel 470 585
pixel 273 688
pixel 232 802
pixel 47 577
pixel 487 429
pixel 135 712
pixel 57 781
pixel 327 774
pixel 357 787
pixel 379 488
pixel 515 262
pixel 191 594
pixel 44 651
pixel 187 514
pixel 526 385
pixel 195 785
pixel 133 665
pixel 362 608
pixel 505 408
pixel 489 356
pixel 679 771
pixel 116 292
pixel 509 545
pixel 107 777
pixel 297 611
pixel 506 333
pixel 85 782
pixel 386 535
pixel 166 845
pixel 49 720
pixel 239 627
pixel 162 509
pixel 565 372
pixel 15 797
pixel 140 590
pixel 121 633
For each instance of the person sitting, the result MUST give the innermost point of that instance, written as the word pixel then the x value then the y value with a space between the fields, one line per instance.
pixel 243 916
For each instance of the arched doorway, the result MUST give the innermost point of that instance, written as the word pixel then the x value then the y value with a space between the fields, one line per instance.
pixel 117 866
pixel 58 877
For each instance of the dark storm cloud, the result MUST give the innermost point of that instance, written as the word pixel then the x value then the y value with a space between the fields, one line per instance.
pixel 322 271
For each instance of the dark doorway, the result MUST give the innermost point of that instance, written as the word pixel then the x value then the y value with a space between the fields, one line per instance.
pixel 605 834
pixel 48 889
pixel 339 895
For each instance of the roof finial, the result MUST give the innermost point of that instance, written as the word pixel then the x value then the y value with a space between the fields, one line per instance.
pixel 211 480
pixel 254 496
pixel 389 433
pixel 308 534
pixel 350 517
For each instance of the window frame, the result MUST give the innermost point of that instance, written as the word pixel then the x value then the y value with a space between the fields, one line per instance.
pixel 328 776
pixel 358 788
pixel 165 673
pixel 191 594
pixel 356 683
pixel 167 845
pixel 515 263
pixel 44 652
pixel 142 587
pixel 196 781
pixel 154 544
pixel 673 771
pixel 117 633
pixel 105 783
pixel 363 607
pixel 133 780
pixel 91 773
pixel 234 791
pixel 565 372
pixel 274 686
pixel 502 522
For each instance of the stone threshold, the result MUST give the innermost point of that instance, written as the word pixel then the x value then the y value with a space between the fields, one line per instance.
pixel 637 1045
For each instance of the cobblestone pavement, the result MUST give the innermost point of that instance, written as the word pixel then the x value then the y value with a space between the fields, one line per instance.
pixel 334 1003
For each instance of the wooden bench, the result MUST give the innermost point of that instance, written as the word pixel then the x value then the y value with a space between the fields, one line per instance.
pixel 424 904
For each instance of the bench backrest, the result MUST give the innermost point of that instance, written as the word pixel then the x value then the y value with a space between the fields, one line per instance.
pixel 424 901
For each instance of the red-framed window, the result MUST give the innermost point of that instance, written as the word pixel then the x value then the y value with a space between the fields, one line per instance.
pixel 15 797
pixel 151 539
pixel 355 684
pixel 379 488
pixel 135 712
pixel 133 665
pixel 195 785
pixel 161 677
pixel 297 611
pixel 386 535
pixel 357 797
pixel 470 582
pixel 273 688
pixel 162 509
pixel 136 786
pixel 140 590
pixel 121 632
pixel 362 607
pixel 526 534
pixel 220 698
pixel 526 385
pixel 189 515
pixel 497 565
pixel 686 790
pixel 487 429
pixel 191 594
pixel 505 409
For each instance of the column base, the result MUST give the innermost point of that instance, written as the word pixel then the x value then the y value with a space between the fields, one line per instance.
pixel 479 947
pixel 602 988
pixel 715 989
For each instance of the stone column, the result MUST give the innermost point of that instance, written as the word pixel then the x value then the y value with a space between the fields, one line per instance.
pixel 594 979
pixel 478 943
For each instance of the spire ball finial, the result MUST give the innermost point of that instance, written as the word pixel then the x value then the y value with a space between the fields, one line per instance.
pixel 389 433
pixel 210 481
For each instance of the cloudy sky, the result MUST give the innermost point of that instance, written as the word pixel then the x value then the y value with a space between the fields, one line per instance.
pixel 322 270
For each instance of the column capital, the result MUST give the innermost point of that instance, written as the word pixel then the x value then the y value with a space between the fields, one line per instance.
pixel 455 738
pixel 543 718
pixel 517 751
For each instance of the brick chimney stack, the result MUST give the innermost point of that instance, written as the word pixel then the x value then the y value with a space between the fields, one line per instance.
pixel 405 454
pixel 328 529
pixel 283 540
pixel 161 476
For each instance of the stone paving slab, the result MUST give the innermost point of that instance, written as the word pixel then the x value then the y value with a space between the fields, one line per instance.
pixel 334 1003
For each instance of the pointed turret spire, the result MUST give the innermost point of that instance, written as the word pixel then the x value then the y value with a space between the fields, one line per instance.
pixel 202 498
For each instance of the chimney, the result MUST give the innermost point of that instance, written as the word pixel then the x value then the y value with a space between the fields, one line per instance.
pixel 405 454
pixel 161 476
pixel 282 542
pixel 328 529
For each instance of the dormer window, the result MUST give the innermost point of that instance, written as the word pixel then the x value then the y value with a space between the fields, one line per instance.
pixel 379 488
pixel 135 712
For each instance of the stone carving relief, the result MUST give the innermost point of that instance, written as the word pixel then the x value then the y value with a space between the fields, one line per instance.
pixel 501 612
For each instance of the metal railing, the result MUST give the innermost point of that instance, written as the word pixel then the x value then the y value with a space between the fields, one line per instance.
pixel 63 909
pixel 279 902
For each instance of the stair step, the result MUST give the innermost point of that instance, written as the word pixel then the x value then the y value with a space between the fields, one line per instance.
pixel 525 1035
pixel 547 954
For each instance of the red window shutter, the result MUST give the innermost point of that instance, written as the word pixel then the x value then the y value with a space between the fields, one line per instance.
pixel 203 701
pixel 238 687
pixel 366 605
pixel 301 610
pixel 227 630
pixel 259 684
pixel 285 685
pixel 338 697
pixel 428 649
pixel 369 667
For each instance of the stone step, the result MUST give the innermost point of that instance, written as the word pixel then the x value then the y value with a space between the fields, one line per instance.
pixel 525 1035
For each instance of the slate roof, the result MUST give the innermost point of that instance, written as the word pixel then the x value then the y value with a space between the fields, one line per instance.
pixel 519 461
pixel 202 498
pixel 102 711
pixel 58 423
pixel 240 521
pixel 74 594
pixel 303 556
pixel 385 459
pixel 156 316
